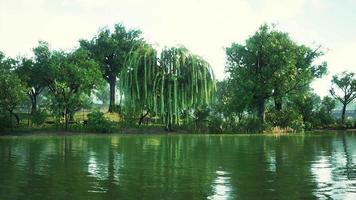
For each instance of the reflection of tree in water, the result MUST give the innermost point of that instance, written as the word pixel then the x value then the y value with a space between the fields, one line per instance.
pixel 350 168
pixel 174 167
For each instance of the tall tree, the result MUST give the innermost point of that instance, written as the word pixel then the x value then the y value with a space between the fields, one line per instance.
pixel 71 77
pixel 110 50
pixel 178 80
pixel 271 65
pixel 12 90
pixel 32 72
pixel 344 90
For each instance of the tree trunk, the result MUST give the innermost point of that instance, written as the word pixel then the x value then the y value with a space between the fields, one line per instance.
pixel 112 83
pixel 11 124
pixel 343 113
pixel 169 123
pixel 278 103
pixel 66 119
pixel 142 118
pixel 261 111
pixel 33 104
pixel 17 118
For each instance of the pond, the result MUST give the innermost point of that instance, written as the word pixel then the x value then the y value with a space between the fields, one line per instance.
pixel 300 166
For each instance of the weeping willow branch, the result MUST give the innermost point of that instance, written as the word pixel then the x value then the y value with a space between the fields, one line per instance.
pixel 176 81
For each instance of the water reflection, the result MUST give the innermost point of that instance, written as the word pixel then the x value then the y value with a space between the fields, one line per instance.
pixel 221 186
pixel 179 167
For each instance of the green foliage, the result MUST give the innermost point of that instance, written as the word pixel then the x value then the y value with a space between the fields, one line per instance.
pixel 344 90
pixel 12 90
pixel 110 51
pixel 201 118
pixel 33 71
pixel 268 65
pixel 286 118
pixel 97 122
pixel 71 79
pixel 350 123
pixel 102 93
pixel 216 123
pixel 248 125
pixel 4 121
pixel 324 114
pixel 177 81
pixel 39 117
pixel 307 104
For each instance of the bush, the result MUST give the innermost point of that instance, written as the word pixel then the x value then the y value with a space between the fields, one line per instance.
pixel 349 123
pixel 250 125
pixel 97 122
pixel 287 118
pixel 216 123
pixel 39 117
pixel 4 122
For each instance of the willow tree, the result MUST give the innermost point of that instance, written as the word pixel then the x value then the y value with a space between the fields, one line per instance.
pixel 166 86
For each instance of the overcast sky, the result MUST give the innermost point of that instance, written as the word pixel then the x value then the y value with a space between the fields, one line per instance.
pixel 203 26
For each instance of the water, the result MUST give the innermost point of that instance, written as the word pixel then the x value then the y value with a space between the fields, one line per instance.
pixel 312 166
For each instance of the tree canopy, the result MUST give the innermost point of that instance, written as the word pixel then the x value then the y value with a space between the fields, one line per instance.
pixel 70 76
pixel 344 90
pixel 110 49
pixel 167 85
pixel 270 65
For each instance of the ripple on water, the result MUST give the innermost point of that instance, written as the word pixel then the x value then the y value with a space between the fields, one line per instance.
pixel 222 186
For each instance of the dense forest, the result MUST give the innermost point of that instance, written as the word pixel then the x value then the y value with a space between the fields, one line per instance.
pixel 117 80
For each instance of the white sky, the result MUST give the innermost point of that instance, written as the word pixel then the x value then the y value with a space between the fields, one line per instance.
pixel 203 26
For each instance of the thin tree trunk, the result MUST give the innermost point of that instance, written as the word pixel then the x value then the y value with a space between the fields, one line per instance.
pixel 343 113
pixel 66 119
pixel 261 111
pixel 112 83
pixel 33 104
pixel 169 123
pixel 17 118
pixel 142 118
pixel 278 103
pixel 11 124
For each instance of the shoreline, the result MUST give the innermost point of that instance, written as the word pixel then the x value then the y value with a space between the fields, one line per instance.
pixel 153 131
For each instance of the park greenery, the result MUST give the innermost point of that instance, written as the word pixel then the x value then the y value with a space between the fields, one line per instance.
pixel 117 81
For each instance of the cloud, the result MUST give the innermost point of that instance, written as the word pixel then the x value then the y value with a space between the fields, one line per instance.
pixel 203 26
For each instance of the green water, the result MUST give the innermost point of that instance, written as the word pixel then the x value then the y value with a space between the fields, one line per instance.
pixel 312 166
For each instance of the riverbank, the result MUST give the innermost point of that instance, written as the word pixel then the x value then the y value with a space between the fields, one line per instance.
pixel 147 131
pixel 133 131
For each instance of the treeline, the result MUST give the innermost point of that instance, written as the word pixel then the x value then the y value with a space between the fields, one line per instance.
pixel 267 86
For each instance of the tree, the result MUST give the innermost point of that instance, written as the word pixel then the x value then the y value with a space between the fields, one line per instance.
pixel 32 72
pixel 177 81
pixel 327 105
pixel 110 50
pixel 307 104
pixel 71 77
pixel 227 102
pixel 271 65
pixel 344 90
pixel 12 90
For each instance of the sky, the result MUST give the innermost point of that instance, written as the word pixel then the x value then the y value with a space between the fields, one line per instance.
pixel 205 27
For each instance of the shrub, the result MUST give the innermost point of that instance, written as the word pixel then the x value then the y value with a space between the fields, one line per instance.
pixel 349 123
pixel 4 122
pixel 216 123
pixel 39 117
pixel 250 125
pixel 287 118
pixel 97 122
